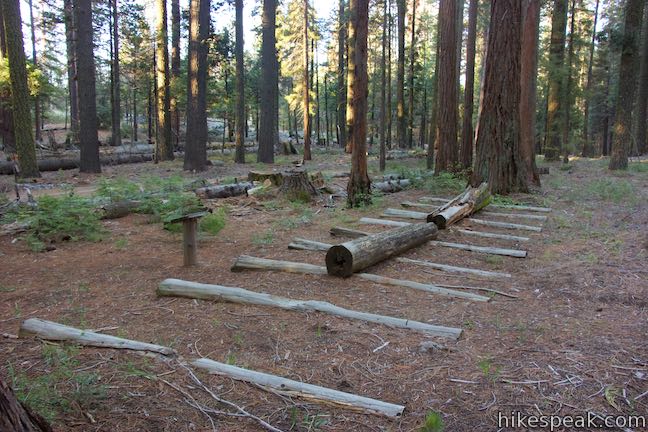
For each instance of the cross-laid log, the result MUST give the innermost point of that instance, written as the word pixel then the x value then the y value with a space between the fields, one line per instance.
pixel 522 207
pixel 303 244
pixel 347 232
pixel 454 269
pixel 515 215
pixel 505 225
pixel 119 209
pixel 405 214
pixel 491 235
pixel 224 191
pixel 387 222
pixel 16 417
pixel 353 256
pixel 245 262
pixel 180 288
pixel 483 249
pixel 408 204
pixel 300 389
pixel 435 199
pixel 73 163
pixel 49 330
pixel 391 186
pixel 467 203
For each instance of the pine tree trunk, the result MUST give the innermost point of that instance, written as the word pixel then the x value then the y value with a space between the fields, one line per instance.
pixel 6 114
pixel 569 97
pixel 556 105
pixel 446 133
pixel 269 84
pixel 467 132
pixel 627 84
pixel 642 94
pixel 306 107
pixel 116 108
pixel 401 121
pixel 390 25
pixel 432 140
pixel 528 85
pixel 341 88
pixel 359 187
pixel 195 157
pixel 240 86
pixel 22 122
pixel 410 113
pixel 499 123
pixel 383 85
pixel 175 71
pixel 588 147
pixel 37 99
pixel 163 142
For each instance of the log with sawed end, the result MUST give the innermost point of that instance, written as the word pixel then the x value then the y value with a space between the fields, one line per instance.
pixel 58 332
pixel 300 389
pixel 347 232
pixel 181 288
pixel 405 214
pixel 454 269
pixel 224 191
pixel 245 262
pixel 353 256
pixel 505 225
pixel 483 249
pixel 386 222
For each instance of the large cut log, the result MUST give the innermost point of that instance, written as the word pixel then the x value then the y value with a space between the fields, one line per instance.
pixel 469 202
pixel 7 168
pixel 405 214
pixel 353 256
pixel 303 244
pixel 515 215
pixel 300 389
pixel 49 330
pixel 505 225
pixel 492 235
pixel 454 269
pixel 16 417
pixel 387 222
pixel 347 232
pixel 245 262
pixel 483 249
pixel 391 186
pixel 180 288
pixel 119 209
pixel 224 191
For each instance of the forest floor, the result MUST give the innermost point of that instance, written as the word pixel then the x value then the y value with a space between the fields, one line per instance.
pixel 574 341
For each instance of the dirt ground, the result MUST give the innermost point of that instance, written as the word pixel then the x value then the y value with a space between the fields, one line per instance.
pixel 575 340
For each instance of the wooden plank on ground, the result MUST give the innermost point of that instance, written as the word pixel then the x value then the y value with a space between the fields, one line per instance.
pixel 405 214
pixel 515 215
pixel 505 225
pixel 522 207
pixel 300 389
pixel 490 235
pixel 181 288
pixel 347 232
pixel 304 244
pixel 386 222
pixel 454 269
pixel 482 249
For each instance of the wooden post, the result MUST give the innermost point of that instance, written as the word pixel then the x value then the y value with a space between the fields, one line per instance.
pixel 189 236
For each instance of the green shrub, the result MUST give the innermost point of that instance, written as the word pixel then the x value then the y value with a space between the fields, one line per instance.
pixel 433 422
pixel 611 189
pixel 444 183
pixel 213 223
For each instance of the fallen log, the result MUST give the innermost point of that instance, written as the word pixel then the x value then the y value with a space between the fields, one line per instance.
pixel 224 191
pixel 372 221
pixel 353 256
pixel 492 235
pixel 303 244
pixel 523 207
pixel 467 203
pixel 7 168
pixel 347 232
pixel 180 288
pixel 49 330
pixel 16 417
pixel 505 225
pixel 435 199
pixel 405 214
pixel 454 269
pixel 245 262
pixel 483 249
pixel 408 204
pixel 391 186
pixel 515 215
pixel 300 389
pixel 119 209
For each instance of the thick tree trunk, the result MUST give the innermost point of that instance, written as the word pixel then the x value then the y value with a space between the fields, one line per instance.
pixel 446 129
pixel 196 140
pixel 16 417
pixel 569 96
pixel 556 105
pixel 642 94
pixel 401 121
pixel 240 86
pixel 434 111
pixel 467 131
pixel 627 85
pixel 306 90
pixel 116 108
pixel 499 123
pixel 22 122
pixel 359 186
pixel 6 112
pixel 341 88
pixel 588 145
pixel 175 71
pixel 269 84
pixel 164 145
pixel 528 86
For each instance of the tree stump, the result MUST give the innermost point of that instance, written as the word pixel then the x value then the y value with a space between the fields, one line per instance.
pixel 297 186
pixel 16 417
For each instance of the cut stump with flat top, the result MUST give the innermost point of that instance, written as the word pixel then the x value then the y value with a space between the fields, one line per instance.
pixel 297 186
pixel 189 236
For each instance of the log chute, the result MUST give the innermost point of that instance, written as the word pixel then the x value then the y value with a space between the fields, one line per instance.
pixel 356 255
pixel 465 204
